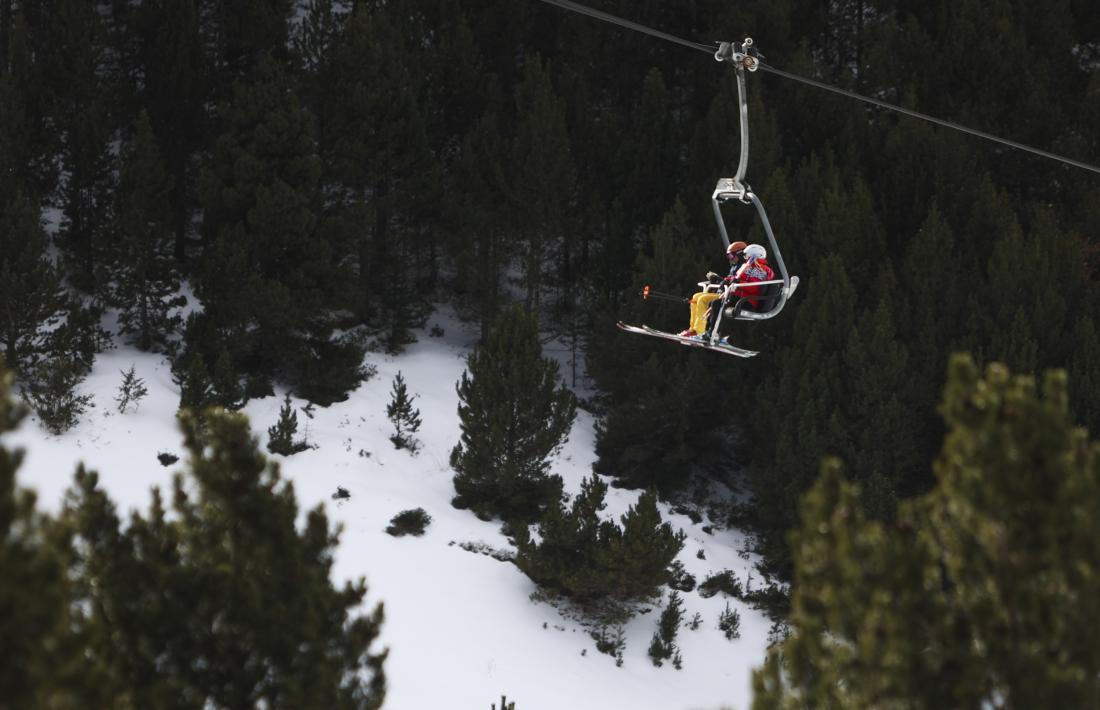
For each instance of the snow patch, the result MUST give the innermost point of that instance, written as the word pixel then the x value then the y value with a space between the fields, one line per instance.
pixel 453 608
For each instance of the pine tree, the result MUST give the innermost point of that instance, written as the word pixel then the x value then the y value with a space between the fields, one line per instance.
pixel 280 436
pixel 812 373
pixel 641 557
pixel 569 555
pixel 52 391
pixel 504 704
pixel 878 410
pixel 932 323
pixel 121 61
pixel 30 286
pixel 131 391
pixel 663 406
pixel 1084 372
pixel 146 286
pixel 225 383
pixel 542 179
pixel 270 276
pixel 383 165
pixel 174 92
pixel 405 419
pixel 590 559
pixel 80 336
pixel 514 416
pixel 663 644
pixel 1000 556
pixel 226 602
pixel 19 144
pixel 656 435
pixel 85 126
pixel 456 85
pixel 481 246
pixel 729 623
pixel 315 39
pixel 196 391
pixel 40 660
pixel 648 158
pixel 845 225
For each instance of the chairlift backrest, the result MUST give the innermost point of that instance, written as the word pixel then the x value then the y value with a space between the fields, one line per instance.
pixel 765 300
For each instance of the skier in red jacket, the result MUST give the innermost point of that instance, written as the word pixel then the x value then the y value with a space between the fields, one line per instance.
pixel 754 269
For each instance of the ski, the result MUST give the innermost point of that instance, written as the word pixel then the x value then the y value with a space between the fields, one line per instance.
pixel 692 342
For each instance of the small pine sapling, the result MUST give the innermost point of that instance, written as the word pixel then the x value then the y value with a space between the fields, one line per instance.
pixel 729 623
pixel 611 644
pixel 681 580
pixel 226 384
pixel 663 645
pixel 504 704
pixel 196 391
pixel 696 622
pixel 53 395
pixel 281 435
pixel 131 391
pixel 406 420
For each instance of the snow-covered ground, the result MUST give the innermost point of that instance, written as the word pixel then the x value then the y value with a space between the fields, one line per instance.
pixel 460 625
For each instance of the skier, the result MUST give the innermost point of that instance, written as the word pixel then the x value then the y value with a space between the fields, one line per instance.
pixel 701 302
pixel 754 269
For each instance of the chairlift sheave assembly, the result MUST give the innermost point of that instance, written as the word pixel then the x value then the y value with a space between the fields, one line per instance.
pixel 743 56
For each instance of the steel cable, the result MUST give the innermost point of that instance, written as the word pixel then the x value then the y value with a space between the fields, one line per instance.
pixel 710 49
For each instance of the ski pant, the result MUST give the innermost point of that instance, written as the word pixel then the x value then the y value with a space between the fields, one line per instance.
pixel 700 305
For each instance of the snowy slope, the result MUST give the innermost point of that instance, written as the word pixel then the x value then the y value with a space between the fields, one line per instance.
pixel 460 625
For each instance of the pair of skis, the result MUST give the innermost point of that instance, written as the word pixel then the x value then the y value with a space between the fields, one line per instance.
pixel 695 342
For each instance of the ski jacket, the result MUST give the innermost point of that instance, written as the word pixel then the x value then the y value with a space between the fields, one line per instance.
pixel 750 272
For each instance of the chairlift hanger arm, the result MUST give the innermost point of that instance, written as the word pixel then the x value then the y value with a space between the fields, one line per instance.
pixel 718 50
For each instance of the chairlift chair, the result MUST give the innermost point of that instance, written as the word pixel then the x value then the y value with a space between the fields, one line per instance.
pixel 771 300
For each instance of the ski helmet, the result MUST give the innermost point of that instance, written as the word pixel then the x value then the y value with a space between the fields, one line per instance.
pixel 735 248
pixel 755 251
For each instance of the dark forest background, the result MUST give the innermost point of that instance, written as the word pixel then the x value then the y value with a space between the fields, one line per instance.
pixel 319 173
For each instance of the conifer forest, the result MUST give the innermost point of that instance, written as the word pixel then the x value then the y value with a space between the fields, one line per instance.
pixel 264 190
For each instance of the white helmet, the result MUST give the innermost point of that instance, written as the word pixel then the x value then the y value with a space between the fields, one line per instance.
pixel 755 251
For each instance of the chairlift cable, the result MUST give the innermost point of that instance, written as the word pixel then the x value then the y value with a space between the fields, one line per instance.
pixel 607 17
pixel 931 119
pixel 710 49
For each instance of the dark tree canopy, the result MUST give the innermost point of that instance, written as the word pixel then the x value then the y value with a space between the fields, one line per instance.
pixel 1000 556
pixel 322 174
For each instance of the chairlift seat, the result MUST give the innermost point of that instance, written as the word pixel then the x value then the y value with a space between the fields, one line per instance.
pixel 766 301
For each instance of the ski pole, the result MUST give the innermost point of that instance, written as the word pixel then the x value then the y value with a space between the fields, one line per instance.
pixel 648 293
